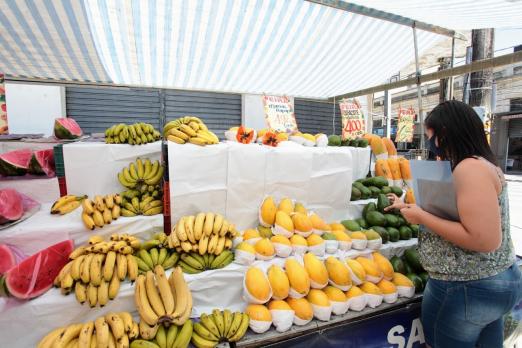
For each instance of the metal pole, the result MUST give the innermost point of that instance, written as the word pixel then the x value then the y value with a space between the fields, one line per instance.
pixel 450 80
pixel 419 92
pixel 466 83
pixel 387 113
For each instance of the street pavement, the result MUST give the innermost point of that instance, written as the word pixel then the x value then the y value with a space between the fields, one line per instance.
pixel 515 210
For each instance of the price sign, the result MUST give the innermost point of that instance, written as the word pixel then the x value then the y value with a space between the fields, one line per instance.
pixel 279 113
pixel 352 117
pixel 405 125
pixel 3 107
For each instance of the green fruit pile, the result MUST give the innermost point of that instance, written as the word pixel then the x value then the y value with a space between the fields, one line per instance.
pixel 193 263
pixel 409 265
pixel 336 140
pixel 220 326
pixel 153 252
pixel 159 336
pixel 134 134
pixel 372 187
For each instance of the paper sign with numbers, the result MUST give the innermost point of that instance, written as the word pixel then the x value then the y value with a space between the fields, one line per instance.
pixel 405 125
pixel 353 119
pixel 279 113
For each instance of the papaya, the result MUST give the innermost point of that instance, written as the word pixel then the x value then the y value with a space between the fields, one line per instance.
pixel 395 168
pixel 378 147
pixel 383 169
pixel 410 196
pixel 390 146
pixel 404 165
pixel 245 135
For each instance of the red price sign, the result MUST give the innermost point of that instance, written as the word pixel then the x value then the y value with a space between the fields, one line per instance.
pixel 352 119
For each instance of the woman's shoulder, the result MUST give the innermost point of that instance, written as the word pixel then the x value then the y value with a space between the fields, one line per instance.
pixel 471 169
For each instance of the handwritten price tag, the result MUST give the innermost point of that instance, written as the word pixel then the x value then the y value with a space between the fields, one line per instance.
pixel 354 124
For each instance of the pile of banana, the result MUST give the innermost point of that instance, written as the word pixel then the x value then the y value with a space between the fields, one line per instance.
pixel 96 270
pixel 219 326
pixel 205 233
pixel 153 253
pixel 66 204
pixel 134 134
pixel 111 330
pixel 189 129
pixel 193 263
pixel 163 301
pixel 101 211
pixel 159 336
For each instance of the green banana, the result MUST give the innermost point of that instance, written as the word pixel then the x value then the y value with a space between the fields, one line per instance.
pixel 171 261
pixel 192 262
pixel 188 269
pixel 220 259
pixel 183 338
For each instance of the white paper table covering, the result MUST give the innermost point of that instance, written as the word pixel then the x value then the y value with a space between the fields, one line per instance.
pixel 92 168
pixel 41 189
pixel 24 323
pixel 6 146
pixel 43 229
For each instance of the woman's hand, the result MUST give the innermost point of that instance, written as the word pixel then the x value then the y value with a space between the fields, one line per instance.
pixel 412 213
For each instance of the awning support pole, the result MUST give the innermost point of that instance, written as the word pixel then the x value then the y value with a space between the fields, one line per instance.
pixel 451 79
pixel 419 91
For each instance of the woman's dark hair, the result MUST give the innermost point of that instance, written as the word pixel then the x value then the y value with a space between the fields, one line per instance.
pixel 459 131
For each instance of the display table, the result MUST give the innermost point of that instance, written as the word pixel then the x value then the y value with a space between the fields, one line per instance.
pixel 91 168
pixel 221 288
pixel 232 178
pixel 40 188
pixel 11 145
pixel 43 229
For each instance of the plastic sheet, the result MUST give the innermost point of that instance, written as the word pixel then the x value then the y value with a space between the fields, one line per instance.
pixel 39 188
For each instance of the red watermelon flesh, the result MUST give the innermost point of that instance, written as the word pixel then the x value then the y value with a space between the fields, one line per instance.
pixel 11 205
pixel 42 162
pixel 67 128
pixel 15 162
pixel 35 275
pixel 7 258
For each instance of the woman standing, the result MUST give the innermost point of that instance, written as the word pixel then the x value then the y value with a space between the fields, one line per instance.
pixel 473 279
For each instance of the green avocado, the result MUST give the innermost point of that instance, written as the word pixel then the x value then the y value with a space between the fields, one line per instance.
pixel 375 218
pixel 375 191
pixel 405 232
pixel 362 223
pixel 407 266
pixel 385 236
pixel 353 142
pixel 365 192
pixel 360 180
pixel 414 231
pixel 402 222
pixel 424 276
pixel 351 225
pixel 368 208
pixel 386 190
pixel 379 181
pixel 362 143
pixel 345 142
pixel 382 202
pixel 397 264
pixel 392 220
pixel 396 190
pixel 334 140
pixel 412 257
pixel 356 194
pixel 394 234
pixel 416 280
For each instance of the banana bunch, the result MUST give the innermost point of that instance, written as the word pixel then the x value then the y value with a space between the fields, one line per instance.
pixel 142 175
pixel 144 192
pixel 96 270
pixel 101 211
pixel 153 253
pixel 160 300
pixel 144 205
pixel 189 129
pixel 111 330
pixel 134 134
pixel 193 263
pixel 66 204
pixel 159 336
pixel 219 326
pixel 205 233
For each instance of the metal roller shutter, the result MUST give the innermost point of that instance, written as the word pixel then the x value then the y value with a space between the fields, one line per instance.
pixel 515 128
pixel 96 109
pixel 316 117
pixel 219 111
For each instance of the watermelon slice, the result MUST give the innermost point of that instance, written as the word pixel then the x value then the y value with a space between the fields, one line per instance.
pixel 11 205
pixel 42 162
pixel 35 275
pixel 7 258
pixel 67 128
pixel 15 162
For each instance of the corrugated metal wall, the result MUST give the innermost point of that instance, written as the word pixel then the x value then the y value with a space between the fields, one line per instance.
pixel 96 109
pixel 219 111
pixel 316 117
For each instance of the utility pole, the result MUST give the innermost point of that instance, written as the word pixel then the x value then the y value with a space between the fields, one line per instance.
pixel 481 81
pixel 444 87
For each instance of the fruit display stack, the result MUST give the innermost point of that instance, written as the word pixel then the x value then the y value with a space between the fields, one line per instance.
pixel 66 204
pixel 372 187
pixel 307 139
pixel 101 211
pixel 115 329
pixel 204 240
pixel 134 134
pixel 154 252
pixel 160 336
pixel 96 270
pixel 311 287
pixel 410 266
pixel 219 326
pixel 189 129
pixel 337 140
pixel 142 179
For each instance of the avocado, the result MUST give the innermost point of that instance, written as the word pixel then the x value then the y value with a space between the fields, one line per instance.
pixel 412 257
pixel 414 231
pixel 385 236
pixel 329 236
pixel 386 190
pixel 356 194
pixel 360 180
pixel 379 181
pixel 392 220
pixel 375 191
pixel 375 218
pixel 394 234
pixel 424 276
pixel 402 222
pixel 382 202
pixel 407 266
pixel 334 140
pixel 362 223
pixel 405 232
pixel 365 192
pixel 351 225
pixel 358 184
pixel 345 142
pixel 353 143
pixel 372 235
pixel 368 208
pixel 397 264
pixel 396 190
pixel 362 143
pixel 416 280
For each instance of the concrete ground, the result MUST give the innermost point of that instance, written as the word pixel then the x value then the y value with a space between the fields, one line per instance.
pixel 515 209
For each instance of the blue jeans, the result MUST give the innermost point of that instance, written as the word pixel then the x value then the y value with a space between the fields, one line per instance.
pixel 469 313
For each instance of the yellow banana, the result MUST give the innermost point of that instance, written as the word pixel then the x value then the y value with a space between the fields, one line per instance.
pixel 123 342
pixel 189 228
pixel 116 212
pixel 87 206
pixel 67 208
pixel 201 330
pixel 203 245
pixel 173 239
pixel 92 295
pixel 201 342
pixel 180 229
pixel 165 292
pixel 70 333
pixel 147 332
pixel 103 293
pixel 180 288
pixel 124 181
pixel 128 322
pixel 121 266
pixel 116 325
pixel 98 218
pixel 184 336
pixel 154 169
pixel 217 316
pixel 95 239
pixel 194 125
pixel 85 270
pixel 49 339
pixel 135 332
pixel 140 168
pixel 88 221
pixel 227 319
pixel 228 243
pixel 209 224
pixel 96 269
pixel 186 246
pixel 220 246
pixel 148 168
pixel 237 317
pixel 177 133
pixel 80 291
pixel 132 267
pixel 127 213
pixel 133 172
pixel 84 340
pixel 153 294
pixel 187 130
pixel 117 199
pixel 171 335
pixel 76 267
pixel 198 226
pixel 241 329
pixel 224 228
pixel 209 325
pixel 77 252
pixel 63 272
pixel 136 204
pixel 212 243
pixel 99 203
pixel 154 180
pixel 63 201
pixel 102 332
pixel 108 266
pixel 107 216
pixel 142 303
pixel 198 141
pixel 114 286
pixel 153 211
pixel 175 139
pixel 109 201
pixel 218 223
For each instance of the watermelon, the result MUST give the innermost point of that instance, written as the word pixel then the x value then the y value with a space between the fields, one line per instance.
pixel 67 128
pixel 42 163
pixel 7 258
pixel 35 275
pixel 11 205
pixel 15 162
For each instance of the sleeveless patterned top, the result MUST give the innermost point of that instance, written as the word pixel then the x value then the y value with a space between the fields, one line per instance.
pixel 446 261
